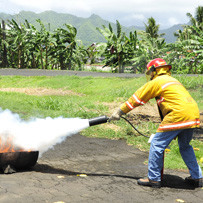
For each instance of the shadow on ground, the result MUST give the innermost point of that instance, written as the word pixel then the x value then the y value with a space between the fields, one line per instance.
pixel 170 181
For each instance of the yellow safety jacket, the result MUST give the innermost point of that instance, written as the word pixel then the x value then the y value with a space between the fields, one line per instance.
pixel 177 108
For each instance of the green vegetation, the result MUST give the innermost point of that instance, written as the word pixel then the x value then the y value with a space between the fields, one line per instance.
pixel 24 45
pixel 173 158
pixel 138 49
pixel 90 97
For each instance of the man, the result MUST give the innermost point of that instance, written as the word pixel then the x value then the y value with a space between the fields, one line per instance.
pixel 179 114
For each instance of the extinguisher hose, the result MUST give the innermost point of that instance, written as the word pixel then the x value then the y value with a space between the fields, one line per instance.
pixel 134 127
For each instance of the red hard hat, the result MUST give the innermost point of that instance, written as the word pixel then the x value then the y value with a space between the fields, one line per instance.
pixel 158 62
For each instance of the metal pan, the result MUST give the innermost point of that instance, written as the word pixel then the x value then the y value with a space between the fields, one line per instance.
pixel 19 160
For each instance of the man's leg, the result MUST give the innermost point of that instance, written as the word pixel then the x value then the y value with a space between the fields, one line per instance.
pixel 155 163
pixel 157 147
pixel 187 153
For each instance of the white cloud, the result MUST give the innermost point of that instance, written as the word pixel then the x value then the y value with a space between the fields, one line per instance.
pixel 173 21
pixel 30 3
pixel 53 4
pixel 138 16
pixel 130 6
pixel 37 4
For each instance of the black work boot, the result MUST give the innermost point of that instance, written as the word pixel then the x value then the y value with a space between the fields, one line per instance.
pixel 148 182
pixel 195 182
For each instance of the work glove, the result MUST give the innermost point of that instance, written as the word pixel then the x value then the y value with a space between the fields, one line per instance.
pixel 116 115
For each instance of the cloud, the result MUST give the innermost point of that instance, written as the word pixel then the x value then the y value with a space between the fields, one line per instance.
pixel 32 5
pixel 42 5
pixel 130 6
pixel 132 19
pixel 173 21
pixel 138 16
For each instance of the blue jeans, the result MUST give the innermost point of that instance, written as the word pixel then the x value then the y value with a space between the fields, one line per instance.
pixel 159 144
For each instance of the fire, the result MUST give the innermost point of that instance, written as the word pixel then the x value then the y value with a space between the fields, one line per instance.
pixel 6 145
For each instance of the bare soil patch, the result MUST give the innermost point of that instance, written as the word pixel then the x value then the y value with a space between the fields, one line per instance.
pixel 148 112
pixel 41 91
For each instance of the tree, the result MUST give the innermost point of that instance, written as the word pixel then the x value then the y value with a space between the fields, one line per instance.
pixel 66 48
pixel 16 43
pixel 117 47
pixel 187 51
pixel 44 41
pixel 197 21
pixel 92 53
pixel 3 54
pixel 150 46
pixel 31 47
pixel 27 47
pixel 152 29
pixel 186 54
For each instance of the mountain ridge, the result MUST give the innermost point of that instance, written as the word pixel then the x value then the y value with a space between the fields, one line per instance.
pixel 86 27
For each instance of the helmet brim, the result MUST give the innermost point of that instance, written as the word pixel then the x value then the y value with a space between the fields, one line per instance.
pixel 169 66
pixel 164 66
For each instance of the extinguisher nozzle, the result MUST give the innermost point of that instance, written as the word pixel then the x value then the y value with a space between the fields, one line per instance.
pixel 98 120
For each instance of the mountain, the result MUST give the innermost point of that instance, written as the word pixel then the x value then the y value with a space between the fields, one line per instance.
pixel 169 33
pixel 86 27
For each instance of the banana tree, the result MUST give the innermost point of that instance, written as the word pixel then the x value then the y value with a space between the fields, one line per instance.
pixel 148 49
pixel 66 49
pixel 187 51
pixel 93 53
pixel 44 42
pixel 151 45
pixel 16 43
pixel 3 45
pixel 116 52
pixel 153 29
pixel 32 55
pixel 197 21
pixel 186 54
pixel 131 49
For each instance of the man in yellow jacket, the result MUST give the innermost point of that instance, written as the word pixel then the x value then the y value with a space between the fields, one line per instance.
pixel 179 114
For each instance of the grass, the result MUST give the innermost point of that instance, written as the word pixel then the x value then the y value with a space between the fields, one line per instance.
pixel 173 158
pixel 93 97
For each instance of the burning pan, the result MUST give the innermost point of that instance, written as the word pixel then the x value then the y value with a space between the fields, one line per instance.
pixel 18 160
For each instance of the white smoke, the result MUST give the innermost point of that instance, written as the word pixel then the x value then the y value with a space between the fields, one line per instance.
pixel 38 134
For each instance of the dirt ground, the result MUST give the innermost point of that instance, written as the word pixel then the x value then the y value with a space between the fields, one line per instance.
pixel 40 91
pixel 83 169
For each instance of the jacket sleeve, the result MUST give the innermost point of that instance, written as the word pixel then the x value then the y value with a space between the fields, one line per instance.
pixel 142 95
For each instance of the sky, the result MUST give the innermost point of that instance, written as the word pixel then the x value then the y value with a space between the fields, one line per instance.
pixel 128 12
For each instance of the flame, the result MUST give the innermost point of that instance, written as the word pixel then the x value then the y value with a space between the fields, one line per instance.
pixel 6 145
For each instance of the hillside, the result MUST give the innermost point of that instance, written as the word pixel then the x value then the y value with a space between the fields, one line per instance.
pixel 86 27
pixel 169 36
